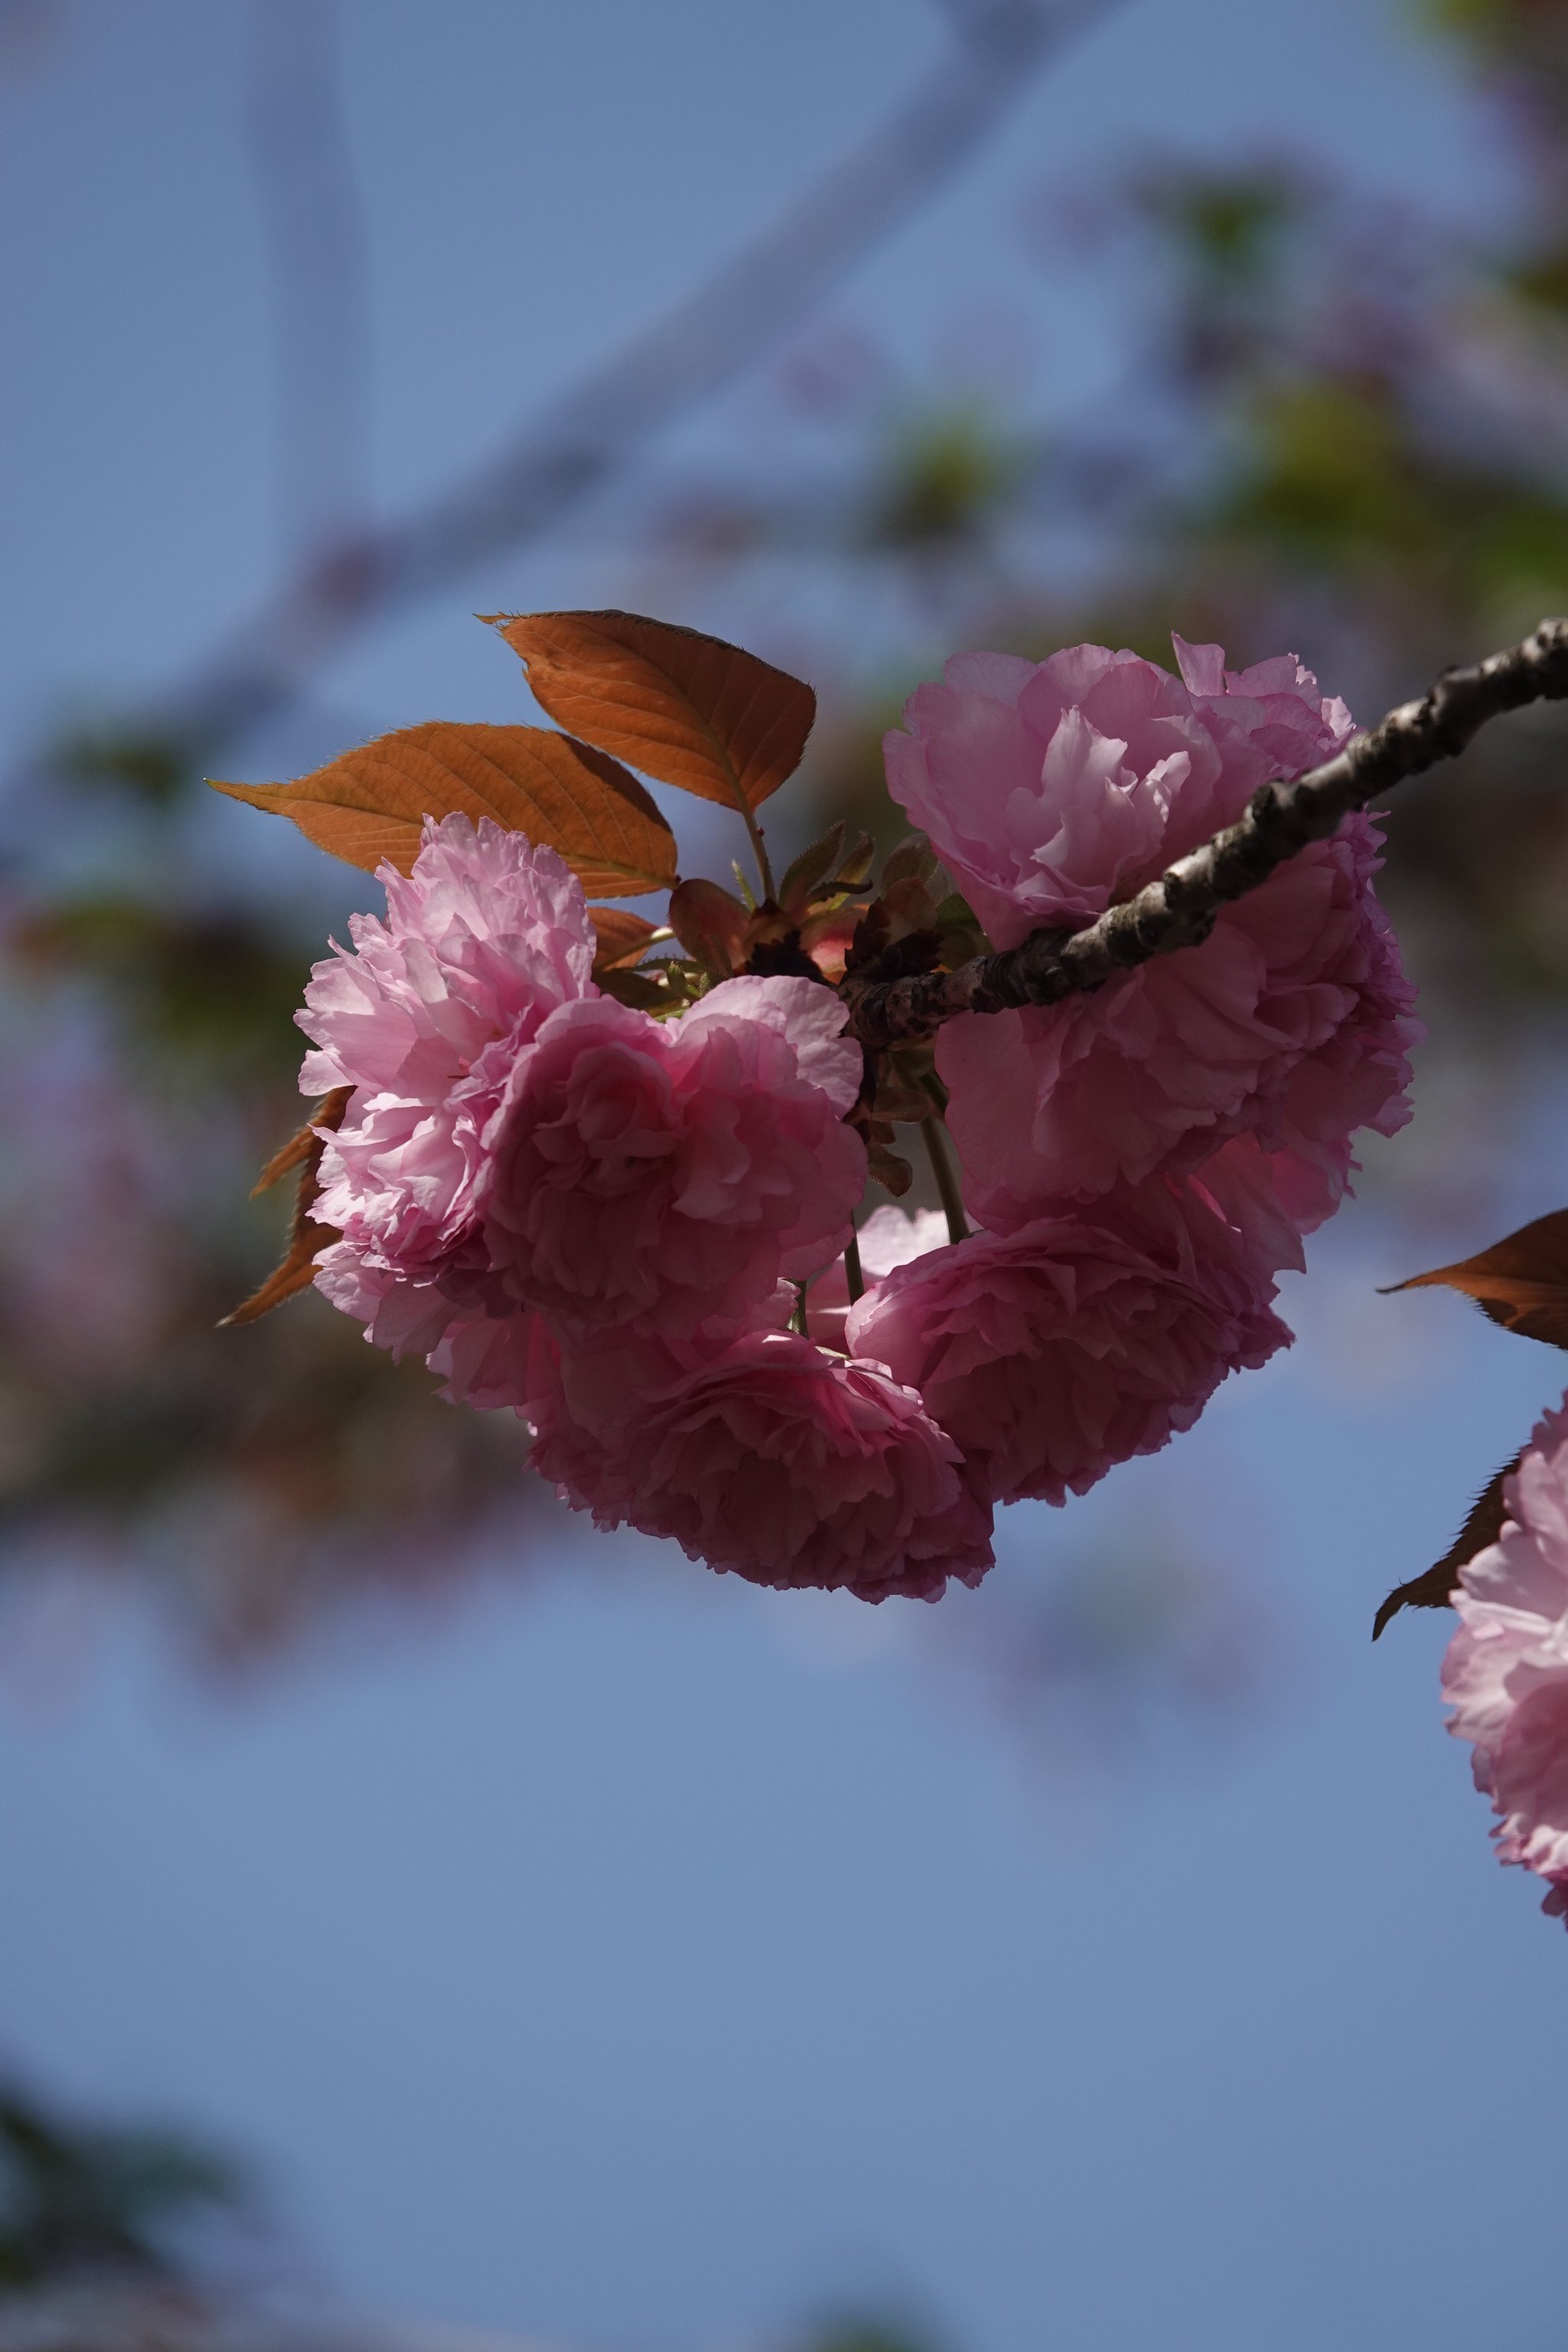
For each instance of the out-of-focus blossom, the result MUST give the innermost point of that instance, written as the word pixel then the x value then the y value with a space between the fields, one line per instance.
pixel 764 1456
pixel 1506 1671
pixel 656 1176
pixel 425 1019
pixel 1097 1333
pixel 1053 791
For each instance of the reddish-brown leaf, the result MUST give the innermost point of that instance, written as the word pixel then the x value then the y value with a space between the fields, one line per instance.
pixel 805 876
pixel 369 805
pixel 622 935
pixel 296 1270
pixel 329 1112
pixel 685 707
pixel 1434 1588
pixel 711 925
pixel 1520 1282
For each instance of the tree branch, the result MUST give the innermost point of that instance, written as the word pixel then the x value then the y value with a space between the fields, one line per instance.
pixel 320 247
pixel 1179 909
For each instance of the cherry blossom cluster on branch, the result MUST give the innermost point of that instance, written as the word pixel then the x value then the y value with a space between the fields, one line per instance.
pixel 615 1172
pixel 607 1172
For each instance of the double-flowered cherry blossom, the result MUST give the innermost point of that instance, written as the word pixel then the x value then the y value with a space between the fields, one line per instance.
pixel 515 1139
pixel 764 1455
pixel 631 1230
pixel 1506 1671
pixel 657 1175
pixel 1053 789
pixel 425 1018
pixel 1092 1335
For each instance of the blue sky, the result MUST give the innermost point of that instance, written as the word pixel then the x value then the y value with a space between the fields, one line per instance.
pixel 624 1956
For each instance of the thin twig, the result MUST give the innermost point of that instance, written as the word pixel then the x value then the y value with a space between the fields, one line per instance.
pixel 1179 909
pixel 759 850
pixel 854 1274
pixel 946 1181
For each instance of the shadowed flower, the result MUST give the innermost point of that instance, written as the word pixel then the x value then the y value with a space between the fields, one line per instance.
pixel 763 1456
pixel 1094 1334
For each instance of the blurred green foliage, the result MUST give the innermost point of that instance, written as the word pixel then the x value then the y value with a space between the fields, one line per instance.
pixel 945 476
pixel 78 2201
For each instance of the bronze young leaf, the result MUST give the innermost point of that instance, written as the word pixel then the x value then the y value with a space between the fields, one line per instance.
pixel 622 936
pixel 806 873
pixel 1434 1588
pixel 307 1239
pixel 369 805
pixel 1520 1282
pixel 688 709
pixel 711 925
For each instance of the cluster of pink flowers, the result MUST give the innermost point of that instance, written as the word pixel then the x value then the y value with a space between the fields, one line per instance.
pixel 631 1230
pixel 1052 790
pixel 1506 1673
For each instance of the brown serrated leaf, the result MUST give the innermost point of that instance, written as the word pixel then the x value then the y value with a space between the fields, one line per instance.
pixel 369 805
pixel 911 906
pixel 688 709
pixel 329 1112
pixel 638 989
pixel 893 1174
pixel 805 873
pixel 904 1105
pixel 1520 1282
pixel 711 925
pixel 1434 1588
pixel 307 1239
pixel 855 868
pixel 913 860
pixel 623 937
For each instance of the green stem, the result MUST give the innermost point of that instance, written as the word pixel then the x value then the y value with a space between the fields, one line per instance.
pixel 764 871
pixel 946 1181
pixel 798 1318
pixel 852 1275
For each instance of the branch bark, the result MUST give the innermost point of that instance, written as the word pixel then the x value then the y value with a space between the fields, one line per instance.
pixel 1178 910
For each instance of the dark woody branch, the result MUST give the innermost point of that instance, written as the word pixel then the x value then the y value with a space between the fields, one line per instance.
pixel 1179 909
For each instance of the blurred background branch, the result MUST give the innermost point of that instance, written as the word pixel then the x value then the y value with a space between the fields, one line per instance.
pixel 319 248
pixel 558 461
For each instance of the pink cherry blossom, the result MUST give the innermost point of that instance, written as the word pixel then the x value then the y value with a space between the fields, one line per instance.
pixel 424 1018
pixel 764 1456
pixel 654 1176
pixel 1092 1335
pixel 1051 791
pixel 1506 1673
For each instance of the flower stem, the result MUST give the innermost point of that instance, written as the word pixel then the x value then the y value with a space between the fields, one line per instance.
pixel 946 1181
pixel 852 1273
pixel 797 1319
pixel 759 850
